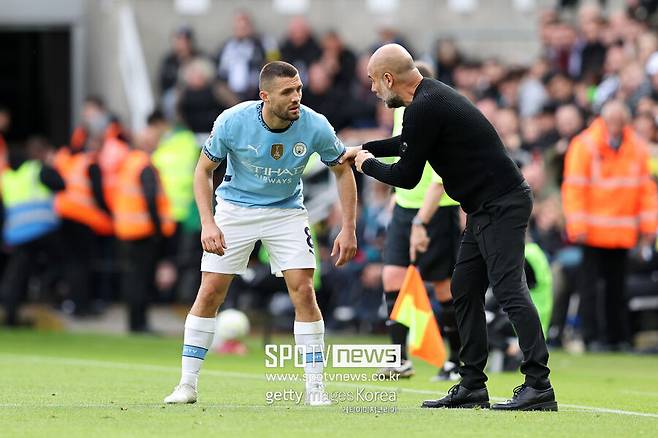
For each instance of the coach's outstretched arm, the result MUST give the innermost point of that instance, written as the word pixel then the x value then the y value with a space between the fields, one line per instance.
pixel 405 173
pixel 345 243
pixel 212 238
pixel 389 147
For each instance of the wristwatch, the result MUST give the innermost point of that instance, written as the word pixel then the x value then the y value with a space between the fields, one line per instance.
pixel 418 221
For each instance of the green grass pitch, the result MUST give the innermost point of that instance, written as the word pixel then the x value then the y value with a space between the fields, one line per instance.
pixel 69 385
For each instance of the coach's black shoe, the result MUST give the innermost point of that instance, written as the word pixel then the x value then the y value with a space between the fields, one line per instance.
pixel 527 398
pixel 460 397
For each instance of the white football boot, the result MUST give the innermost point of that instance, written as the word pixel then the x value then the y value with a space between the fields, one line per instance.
pixel 182 394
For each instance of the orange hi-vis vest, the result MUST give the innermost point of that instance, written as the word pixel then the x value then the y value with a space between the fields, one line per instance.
pixel 608 195
pixel 131 216
pixel 110 159
pixel 76 202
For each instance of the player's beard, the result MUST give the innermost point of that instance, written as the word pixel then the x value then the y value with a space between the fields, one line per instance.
pixel 284 114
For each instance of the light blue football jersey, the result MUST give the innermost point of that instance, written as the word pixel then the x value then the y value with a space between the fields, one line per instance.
pixel 265 166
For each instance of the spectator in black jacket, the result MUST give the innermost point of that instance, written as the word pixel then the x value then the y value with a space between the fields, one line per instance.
pixel 198 102
pixel 329 101
pixel 182 51
pixel 339 60
pixel 300 48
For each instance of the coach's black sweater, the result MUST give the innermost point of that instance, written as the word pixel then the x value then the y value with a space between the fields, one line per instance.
pixel 442 127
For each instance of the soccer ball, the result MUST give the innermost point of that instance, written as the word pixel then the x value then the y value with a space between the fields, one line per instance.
pixel 231 325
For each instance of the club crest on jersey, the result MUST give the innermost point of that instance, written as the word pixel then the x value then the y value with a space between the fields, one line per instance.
pixel 299 150
pixel 277 150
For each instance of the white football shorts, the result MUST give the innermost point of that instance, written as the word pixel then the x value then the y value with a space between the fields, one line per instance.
pixel 284 232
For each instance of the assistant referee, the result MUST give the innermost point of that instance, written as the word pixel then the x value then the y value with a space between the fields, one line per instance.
pixel 443 128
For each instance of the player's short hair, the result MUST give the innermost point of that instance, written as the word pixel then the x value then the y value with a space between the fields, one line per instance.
pixel 275 69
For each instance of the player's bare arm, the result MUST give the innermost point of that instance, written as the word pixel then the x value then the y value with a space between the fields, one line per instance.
pixel 212 238
pixel 345 243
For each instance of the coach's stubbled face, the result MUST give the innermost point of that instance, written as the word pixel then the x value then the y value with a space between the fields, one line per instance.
pixel 394 101
pixel 285 97
pixel 381 88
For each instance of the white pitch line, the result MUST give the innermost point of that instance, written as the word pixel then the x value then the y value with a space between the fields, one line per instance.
pixel 146 367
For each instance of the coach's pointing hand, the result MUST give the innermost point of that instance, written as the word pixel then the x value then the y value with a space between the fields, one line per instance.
pixel 360 158
pixel 212 239
pixel 344 246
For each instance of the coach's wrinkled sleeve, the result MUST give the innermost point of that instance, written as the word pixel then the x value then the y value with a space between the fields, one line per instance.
pixel 216 146
pixel 328 145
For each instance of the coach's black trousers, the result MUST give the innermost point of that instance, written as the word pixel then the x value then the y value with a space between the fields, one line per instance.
pixel 492 253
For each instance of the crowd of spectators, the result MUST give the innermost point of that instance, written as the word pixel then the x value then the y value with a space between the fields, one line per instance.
pixel 589 57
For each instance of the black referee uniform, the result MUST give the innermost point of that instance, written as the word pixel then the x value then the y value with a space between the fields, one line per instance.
pixel 442 127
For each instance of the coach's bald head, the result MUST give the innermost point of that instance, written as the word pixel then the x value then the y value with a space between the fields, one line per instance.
pixel 392 58
pixel 393 74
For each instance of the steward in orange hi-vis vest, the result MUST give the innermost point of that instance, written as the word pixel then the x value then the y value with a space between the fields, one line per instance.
pixel 131 215
pixel 608 195
pixel 77 201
